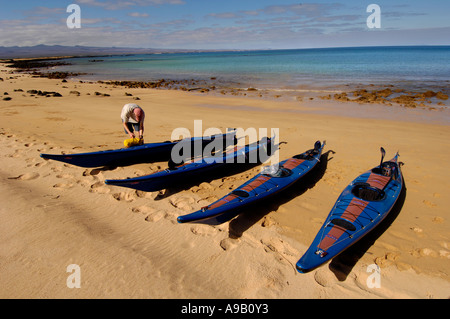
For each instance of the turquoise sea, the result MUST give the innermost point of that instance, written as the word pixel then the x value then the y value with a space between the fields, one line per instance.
pixel 418 67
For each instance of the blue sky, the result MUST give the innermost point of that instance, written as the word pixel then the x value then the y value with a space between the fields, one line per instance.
pixel 225 24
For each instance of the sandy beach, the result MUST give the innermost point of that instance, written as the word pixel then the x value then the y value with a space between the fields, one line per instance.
pixel 128 244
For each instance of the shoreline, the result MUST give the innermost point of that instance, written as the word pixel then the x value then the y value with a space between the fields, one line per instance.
pixel 67 215
pixel 427 106
pixel 434 97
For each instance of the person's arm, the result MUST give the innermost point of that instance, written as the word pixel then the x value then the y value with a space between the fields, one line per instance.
pixel 128 130
pixel 141 127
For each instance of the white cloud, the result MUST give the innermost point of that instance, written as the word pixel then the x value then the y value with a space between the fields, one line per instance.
pixel 117 4
pixel 138 15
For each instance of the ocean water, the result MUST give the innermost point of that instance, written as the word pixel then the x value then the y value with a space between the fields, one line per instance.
pixel 415 68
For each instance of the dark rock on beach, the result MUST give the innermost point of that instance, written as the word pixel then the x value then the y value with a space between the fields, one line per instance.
pixel 44 93
pixel 388 96
pixel 441 96
pixel 35 64
pixel 184 85
pixel 35 67
pixel 101 94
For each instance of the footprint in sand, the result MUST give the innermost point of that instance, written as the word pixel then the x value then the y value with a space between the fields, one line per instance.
pixel 126 197
pixel 429 204
pixel 56 169
pixel 437 220
pixel 278 245
pixel 325 278
pixel 387 260
pixel 424 252
pixel 228 244
pixel 281 250
pixel 92 172
pixel 65 176
pixel 152 215
pixel 84 183
pixel 202 230
pixel 444 253
pixel 268 222
pixel 142 194
pixel 63 186
pixel 418 231
pixel 142 209
pixel 16 154
pixel 99 187
pixel 206 186
pixel 40 164
pixel 26 177
pixel 30 161
pixel 202 188
pixel 183 203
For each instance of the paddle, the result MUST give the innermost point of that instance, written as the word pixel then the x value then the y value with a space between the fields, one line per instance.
pixel 383 154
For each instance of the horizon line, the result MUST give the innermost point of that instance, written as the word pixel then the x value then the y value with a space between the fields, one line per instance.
pixel 168 50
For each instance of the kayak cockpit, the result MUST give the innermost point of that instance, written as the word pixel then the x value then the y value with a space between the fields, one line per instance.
pixel 371 187
pixel 275 171
pixel 368 193
pixel 282 172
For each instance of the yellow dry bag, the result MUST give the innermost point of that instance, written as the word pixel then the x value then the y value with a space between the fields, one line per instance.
pixel 133 142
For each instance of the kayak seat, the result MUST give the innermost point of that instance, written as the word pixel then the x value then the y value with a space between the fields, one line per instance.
pixel 367 192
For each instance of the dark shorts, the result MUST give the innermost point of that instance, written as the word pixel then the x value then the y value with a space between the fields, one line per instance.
pixel 132 127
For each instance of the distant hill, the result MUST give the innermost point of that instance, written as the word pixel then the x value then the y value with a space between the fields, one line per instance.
pixel 42 50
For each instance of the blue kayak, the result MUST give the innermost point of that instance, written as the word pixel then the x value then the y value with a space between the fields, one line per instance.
pixel 151 152
pixel 195 169
pixel 267 183
pixel 359 209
